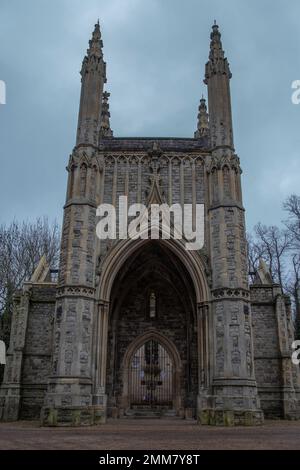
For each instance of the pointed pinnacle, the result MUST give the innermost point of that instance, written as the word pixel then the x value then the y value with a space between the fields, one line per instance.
pixel 216 49
pixel 217 62
pixel 95 43
pixel 203 121
pixel 105 129
pixel 96 31
pixel 215 31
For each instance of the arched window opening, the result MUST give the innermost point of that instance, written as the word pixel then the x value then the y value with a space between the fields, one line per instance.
pixel 83 173
pixel 152 305
pixel 226 182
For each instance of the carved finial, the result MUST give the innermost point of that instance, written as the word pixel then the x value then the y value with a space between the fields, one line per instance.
pixel 155 152
pixel 216 50
pixel 263 275
pixel 217 61
pixel 95 44
pixel 105 130
pixel 41 272
pixel 203 123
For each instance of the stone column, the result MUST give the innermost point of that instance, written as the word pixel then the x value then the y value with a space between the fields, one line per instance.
pixel 233 391
pixel 101 328
pixel 203 332
pixel 69 399
pixel 290 403
pixel 233 387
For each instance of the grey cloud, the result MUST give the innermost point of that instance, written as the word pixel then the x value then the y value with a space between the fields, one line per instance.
pixel 155 52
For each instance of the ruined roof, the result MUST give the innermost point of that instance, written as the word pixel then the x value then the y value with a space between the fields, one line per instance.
pixel 172 144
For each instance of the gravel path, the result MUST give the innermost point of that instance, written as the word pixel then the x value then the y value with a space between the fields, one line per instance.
pixel 151 434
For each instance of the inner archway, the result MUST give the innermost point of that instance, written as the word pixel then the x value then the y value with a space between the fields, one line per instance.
pixel 151 381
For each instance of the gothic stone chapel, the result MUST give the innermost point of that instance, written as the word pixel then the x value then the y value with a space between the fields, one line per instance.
pixel 145 327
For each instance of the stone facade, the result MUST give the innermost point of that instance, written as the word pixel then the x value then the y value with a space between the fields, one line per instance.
pixel 73 343
pixel 277 378
pixel 29 353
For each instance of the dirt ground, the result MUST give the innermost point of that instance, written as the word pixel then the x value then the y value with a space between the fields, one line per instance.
pixel 150 434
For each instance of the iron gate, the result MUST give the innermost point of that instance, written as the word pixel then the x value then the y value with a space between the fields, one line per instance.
pixel 151 377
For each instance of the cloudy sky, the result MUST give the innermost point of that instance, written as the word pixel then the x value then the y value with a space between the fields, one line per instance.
pixel 155 52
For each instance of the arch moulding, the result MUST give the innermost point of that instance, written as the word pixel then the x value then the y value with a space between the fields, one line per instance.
pixel 124 249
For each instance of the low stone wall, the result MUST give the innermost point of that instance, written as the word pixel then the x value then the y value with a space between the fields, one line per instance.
pixel 29 353
pixel 277 381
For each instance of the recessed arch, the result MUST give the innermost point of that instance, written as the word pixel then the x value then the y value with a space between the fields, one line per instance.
pixel 175 276
pixel 124 249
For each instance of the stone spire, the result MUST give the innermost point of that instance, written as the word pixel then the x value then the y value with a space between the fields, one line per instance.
pixel 105 130
pixel 93 77
pixel 217 78
pixel 203 124
pixel 216 54
pixel 95 44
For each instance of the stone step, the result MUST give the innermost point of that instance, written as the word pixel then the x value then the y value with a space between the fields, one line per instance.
pixel 149 413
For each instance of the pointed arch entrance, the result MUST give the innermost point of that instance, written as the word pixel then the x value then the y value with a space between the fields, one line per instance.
pixel 149 291
pixel 152 373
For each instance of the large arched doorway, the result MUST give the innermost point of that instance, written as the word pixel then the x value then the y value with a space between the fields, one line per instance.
pixel 152 374
pixel 153 295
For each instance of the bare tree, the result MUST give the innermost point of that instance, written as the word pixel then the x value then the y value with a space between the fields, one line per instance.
pixel 293 289
pixel 280 249
pixel 275 245
pixel 292 207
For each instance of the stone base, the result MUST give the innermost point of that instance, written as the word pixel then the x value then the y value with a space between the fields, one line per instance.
pixel 73 416
pixel 215 417
pixel 10 399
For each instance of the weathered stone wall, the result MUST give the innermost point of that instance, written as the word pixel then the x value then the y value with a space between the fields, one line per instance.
pixel 266 351
pixel 277 378
pixel 37 351
pixel 29 354
pixel 131 175
pixel 130 170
